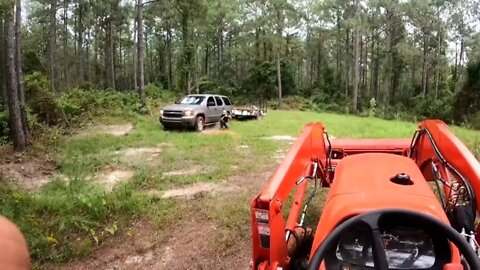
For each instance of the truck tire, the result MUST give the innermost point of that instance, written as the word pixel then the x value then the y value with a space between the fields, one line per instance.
pixel 199 123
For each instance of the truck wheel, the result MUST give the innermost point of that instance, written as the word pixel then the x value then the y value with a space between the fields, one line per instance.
pixel 199 123
pixel 167 127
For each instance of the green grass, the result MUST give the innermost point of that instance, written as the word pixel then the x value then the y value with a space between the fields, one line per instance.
pixel 62 221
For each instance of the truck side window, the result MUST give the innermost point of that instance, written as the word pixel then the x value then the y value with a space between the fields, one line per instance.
pixel 226 101
pixel 219 101
pixel 210 101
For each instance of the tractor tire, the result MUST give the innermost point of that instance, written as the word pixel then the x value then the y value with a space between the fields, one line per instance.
pixel 199 124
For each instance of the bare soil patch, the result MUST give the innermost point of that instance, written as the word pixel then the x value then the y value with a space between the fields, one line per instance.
pixel 135 152
pixel 116 130
pixel 193 191
pixel 286 138
pixel 112 176
pixel 29 173
pixel 194 241
pixel 189 171
pixel 141 154
pixel 132 248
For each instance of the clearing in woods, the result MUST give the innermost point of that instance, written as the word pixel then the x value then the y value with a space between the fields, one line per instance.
pixel 138 197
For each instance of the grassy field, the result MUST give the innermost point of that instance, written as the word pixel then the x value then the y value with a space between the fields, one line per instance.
pixel 69 219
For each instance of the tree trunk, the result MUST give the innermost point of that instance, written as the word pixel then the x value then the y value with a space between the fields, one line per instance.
pixel 186 63
pixel 414 73
pixel 17 130
pixel 371 65
pixel 389 70
pixel 437 76
pixel 80 55
pixel 87 58
pixel 65 45
pixel 170 58
pixel 425 66
pixel 141 56
pixel 18 65
pixel 135 49
pixel 109 59
pixel 455 71
pixel 280 26
pixel 347 62
pixel 146 56
pixel 460 64
pixel 279 78
pixel 356 80
pixel 3 55
pixel 206 63
pixel 339 33
pixel 257 44
pixel 53 44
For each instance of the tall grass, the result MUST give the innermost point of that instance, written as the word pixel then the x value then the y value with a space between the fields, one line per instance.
pixel 65 220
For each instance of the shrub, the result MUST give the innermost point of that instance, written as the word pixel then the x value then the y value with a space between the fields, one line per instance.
pixel 473 120
pixel 157 92
pixel 4 126
pixel 41 100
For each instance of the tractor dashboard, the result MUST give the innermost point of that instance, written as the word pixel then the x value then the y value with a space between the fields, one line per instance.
pixel 405 248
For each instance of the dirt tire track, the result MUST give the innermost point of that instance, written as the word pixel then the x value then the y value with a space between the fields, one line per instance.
pixel 190 242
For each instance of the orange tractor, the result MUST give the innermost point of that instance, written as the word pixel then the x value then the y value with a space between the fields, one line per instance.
pixel 391 204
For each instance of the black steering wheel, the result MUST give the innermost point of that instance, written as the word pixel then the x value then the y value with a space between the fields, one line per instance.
pixel 373 221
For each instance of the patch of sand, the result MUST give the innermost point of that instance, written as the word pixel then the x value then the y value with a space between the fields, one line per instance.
pixel 189 171
pixel 218 132
pixel 112 177
pixel 287 138
pixel 116 130
pixel 135 152
pixel 193 190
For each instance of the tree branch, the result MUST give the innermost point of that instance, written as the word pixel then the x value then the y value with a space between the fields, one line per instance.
pixel 150 2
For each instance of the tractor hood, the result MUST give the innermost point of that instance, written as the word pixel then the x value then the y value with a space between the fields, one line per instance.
pixel 375 181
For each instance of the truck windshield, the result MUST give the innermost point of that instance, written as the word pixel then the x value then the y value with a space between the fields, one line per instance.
pixel 192 100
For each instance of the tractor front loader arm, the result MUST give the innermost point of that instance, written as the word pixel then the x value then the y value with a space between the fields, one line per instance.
pixel 444 158
pixel 306 159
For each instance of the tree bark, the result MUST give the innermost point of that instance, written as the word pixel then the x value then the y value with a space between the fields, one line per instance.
pixel 3 54
pixel 460 64
pixel 170 58
pixel 18 66
pixel 87 57
pixel 135 49
pixel 80 54
pixel 206 61
pixel 109 59
pixel 347 64
pixel 356 80
pixel 53 44
pixel 65 45
pixel 141 55
pixel 437 76
pixel 17 131
pixel 425 66
pixel 186 63
pixel 280 22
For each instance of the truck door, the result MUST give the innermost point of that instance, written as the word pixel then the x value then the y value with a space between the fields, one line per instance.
pixel 220 107
pixel 211 111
